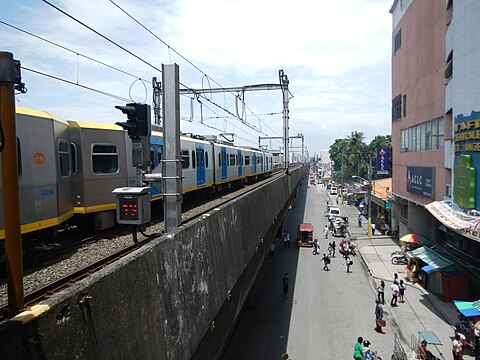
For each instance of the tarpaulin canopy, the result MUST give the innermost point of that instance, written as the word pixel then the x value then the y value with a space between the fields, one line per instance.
pixel 449 214
pixel 466 308
pixel 432 258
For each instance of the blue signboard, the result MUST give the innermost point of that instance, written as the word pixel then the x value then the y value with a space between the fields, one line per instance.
pixel 383 161
pixel 420 180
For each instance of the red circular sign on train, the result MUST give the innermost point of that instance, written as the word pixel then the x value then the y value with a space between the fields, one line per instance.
pixel 38 158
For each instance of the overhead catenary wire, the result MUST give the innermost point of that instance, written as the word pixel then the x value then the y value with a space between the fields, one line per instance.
pixel 205 75
pixel 154 67
pixel 101 35
pixel 117 97
pixel 72 51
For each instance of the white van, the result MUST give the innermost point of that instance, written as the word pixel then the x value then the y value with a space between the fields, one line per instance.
pixel 333 190
pixel 332 211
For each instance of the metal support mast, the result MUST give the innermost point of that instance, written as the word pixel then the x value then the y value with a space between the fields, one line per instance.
pixel 284 82
pixel 171 164
pixel 9 76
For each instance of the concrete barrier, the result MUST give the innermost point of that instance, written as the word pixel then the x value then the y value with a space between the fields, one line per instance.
pixel 177 297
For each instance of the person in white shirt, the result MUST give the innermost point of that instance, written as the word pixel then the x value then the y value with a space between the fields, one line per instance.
pixel 395 291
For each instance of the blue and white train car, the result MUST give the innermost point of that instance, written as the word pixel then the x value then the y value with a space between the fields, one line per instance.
pixel 228 164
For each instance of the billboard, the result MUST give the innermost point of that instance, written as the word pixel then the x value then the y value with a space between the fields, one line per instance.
pixel 420 181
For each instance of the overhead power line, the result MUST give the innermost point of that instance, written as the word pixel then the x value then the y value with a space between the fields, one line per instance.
pixel 101 35
pixel 77 84
pixel 72 51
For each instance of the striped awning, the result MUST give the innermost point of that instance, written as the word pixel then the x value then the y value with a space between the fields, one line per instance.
pixel 432 258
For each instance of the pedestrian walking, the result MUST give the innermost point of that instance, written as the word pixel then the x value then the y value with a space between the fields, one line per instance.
pixel 325 231
pixel 271 250
pixel 358 349
pixel 401 291
pixel 457 350
pixel 360 220
pixel 285 285
pixel 329 249
pixel 378 316
pixel 333 248
pixel 316 247
pixel 285 356
pixel 326 261
pixel 373 228
pixel 381 292
pixel 348 263
pixel 395 292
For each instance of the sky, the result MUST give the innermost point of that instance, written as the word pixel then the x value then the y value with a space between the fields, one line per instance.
pixel 336 54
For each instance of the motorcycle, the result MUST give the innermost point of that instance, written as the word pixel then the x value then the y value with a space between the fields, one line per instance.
pixel 399 258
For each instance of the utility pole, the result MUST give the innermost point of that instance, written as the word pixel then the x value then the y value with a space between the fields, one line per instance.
pixel 284 82
pixel 369 195
pixel 9 76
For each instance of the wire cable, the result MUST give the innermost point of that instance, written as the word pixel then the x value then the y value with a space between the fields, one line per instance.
pixel 76 84
pixel 101 35
pixel 205 75
pixel 72 51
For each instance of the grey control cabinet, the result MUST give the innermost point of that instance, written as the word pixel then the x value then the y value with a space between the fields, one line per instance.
pixel 133 205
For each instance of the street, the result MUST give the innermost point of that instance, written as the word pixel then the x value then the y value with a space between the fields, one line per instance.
pixel 326 312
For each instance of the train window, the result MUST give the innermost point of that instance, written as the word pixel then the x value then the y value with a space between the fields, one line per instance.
pixel 232 159
pixel 73 156
pixel 247 160
pixel 64 157
pixel 206 159
pixel 104 159
pixel 152 157
pixel 185 159
pixel 193 159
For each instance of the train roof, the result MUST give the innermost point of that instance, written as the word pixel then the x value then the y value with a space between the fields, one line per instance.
pixel 39 113
pixel 91 125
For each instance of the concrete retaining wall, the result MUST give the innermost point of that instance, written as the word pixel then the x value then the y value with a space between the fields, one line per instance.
pixel 177 297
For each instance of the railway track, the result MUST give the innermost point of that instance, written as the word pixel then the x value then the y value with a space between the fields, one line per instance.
pixel 91 256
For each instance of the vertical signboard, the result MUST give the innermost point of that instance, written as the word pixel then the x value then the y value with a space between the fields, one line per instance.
pixel 383 161
pixel 467 160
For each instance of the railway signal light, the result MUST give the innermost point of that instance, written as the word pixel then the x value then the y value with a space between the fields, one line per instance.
pixel 138 120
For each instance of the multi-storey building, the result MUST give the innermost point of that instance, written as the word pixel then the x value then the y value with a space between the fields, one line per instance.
pixel 436 126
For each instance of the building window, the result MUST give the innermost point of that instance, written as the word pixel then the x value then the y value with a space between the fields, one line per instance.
pixel 404 105
pixel 104 159
pixel 423 137
pixel 449 68
pixel 397 108
pixel 397 42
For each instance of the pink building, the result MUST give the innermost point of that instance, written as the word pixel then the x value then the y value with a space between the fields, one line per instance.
pixel 419 125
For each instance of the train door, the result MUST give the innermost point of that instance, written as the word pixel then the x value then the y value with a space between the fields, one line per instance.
pixel 224 163
pixel 240 163
pixel 200 164
pixel 254 159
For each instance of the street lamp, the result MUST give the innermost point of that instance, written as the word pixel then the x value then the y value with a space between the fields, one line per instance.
pixel 369 194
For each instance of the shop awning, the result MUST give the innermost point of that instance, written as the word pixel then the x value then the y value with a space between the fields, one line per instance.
pixel 432 258
pixel 450 215
pixel 466 308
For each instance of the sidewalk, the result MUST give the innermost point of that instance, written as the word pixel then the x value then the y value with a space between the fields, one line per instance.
pixel 421 310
